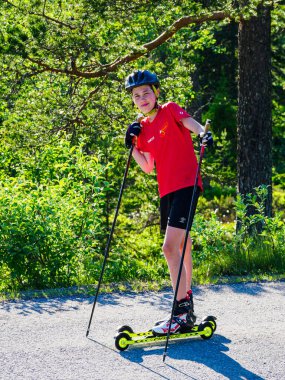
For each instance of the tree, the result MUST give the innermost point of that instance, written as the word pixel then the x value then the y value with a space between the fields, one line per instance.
pixel 71 43
pixel 254 105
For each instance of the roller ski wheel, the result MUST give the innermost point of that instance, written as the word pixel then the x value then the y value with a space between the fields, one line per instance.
pixel 127 329
pixel 207 330
pixel 122 341
pixel 211 319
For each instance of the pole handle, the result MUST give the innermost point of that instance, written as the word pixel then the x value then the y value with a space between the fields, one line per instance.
pixel 206 128
pixel 139 118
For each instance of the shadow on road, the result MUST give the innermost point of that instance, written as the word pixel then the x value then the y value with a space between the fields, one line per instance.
pixel 211 354
pixel 162 299
pixel 40 306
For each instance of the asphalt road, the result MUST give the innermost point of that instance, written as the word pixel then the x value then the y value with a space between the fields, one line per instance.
pixel 45 338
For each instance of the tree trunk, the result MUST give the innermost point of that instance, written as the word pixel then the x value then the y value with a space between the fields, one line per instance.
pixel 254 113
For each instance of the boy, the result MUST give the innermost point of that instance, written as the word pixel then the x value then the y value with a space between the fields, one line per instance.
pixel 162 139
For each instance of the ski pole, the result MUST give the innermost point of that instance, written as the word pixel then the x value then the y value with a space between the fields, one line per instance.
pixel 188 227
pixel 107 249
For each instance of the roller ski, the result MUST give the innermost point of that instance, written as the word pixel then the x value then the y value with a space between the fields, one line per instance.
pixel 182 326
pixel 126 337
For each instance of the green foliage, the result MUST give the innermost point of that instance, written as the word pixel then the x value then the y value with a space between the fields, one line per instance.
pixel 50 216
pixel 219 250
pixel 62 154
pixel 279 201
pixel 259 250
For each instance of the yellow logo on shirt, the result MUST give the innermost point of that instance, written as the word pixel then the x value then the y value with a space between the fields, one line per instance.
pixel 162 132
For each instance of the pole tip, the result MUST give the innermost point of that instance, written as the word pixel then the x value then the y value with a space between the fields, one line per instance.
pixel 164 356
pixel 87 333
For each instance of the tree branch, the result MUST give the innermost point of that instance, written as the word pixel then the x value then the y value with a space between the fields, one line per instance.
pixel 61 23
pixel 43 14
pixel 144 49
pixel 49 68
pixel 202 107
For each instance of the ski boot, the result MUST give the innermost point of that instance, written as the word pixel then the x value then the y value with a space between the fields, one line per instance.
pixel 191 316
pixel 183 318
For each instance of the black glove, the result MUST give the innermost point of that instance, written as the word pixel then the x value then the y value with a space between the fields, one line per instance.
pixel 133 130
pixel 206 139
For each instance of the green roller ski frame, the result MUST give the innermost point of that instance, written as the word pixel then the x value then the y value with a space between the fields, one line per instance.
pixel 126 336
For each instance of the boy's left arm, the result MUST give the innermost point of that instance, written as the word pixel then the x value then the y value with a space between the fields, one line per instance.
pixel 192 125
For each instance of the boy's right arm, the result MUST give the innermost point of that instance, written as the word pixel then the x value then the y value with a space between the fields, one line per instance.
pixel 144 159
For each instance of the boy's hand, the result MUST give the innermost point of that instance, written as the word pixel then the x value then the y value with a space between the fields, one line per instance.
pixel 133 130
pixel 206 139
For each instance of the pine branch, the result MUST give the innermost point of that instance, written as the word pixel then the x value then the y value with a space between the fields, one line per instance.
pixel 144 49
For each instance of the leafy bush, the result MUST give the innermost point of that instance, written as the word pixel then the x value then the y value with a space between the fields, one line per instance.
pixel 50 214
pixel 279 201
pixel 260 239
pixel 53 228
pixel 221 250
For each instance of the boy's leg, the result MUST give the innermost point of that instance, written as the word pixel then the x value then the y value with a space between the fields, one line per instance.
pixel 187 261
pixel 171 249
pixel 183 315
pixel 183 307
pixel 178 214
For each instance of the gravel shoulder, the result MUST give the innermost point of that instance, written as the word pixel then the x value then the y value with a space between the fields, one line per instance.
pixel 45 338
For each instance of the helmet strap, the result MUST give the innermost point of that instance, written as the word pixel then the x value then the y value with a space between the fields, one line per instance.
pixel 154 89
pixel 156 93
pixel 155 108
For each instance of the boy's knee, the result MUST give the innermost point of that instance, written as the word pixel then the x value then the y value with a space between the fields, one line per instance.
pixel 168 249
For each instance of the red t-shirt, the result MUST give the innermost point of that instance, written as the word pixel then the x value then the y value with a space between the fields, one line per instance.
pixel 171 146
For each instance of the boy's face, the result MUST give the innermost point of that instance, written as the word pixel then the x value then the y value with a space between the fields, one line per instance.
pixel 144 98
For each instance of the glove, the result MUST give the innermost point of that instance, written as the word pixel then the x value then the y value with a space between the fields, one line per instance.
pixel 206 139
pixel 133 130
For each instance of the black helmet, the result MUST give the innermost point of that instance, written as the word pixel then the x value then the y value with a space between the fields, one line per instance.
pixel 139 78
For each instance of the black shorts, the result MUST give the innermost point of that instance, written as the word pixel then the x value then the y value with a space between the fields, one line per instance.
pixel 174 208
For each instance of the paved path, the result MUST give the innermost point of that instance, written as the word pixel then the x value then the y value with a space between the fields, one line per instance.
pixel 45 339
